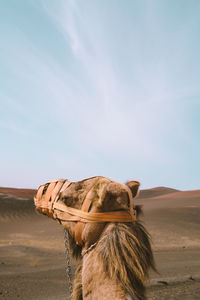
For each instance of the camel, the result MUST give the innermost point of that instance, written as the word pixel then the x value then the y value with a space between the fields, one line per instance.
pixel 111 245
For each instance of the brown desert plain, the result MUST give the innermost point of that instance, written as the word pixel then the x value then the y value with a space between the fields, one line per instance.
pixel 32 253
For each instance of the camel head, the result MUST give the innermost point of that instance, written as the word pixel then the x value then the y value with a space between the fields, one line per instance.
pixel 102 196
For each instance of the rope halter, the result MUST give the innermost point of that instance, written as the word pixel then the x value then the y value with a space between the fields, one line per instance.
pixel 47 202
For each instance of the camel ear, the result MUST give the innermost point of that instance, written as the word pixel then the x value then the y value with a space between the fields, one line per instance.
pixel 133 186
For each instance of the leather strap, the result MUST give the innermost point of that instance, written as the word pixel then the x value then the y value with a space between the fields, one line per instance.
pixel 80 225
pixel 65 185
pixel 49 191
pixel 68 214
pixel 55 192
pixel 131 204
pixel 45 205
pixel 78 233
pixel 39 192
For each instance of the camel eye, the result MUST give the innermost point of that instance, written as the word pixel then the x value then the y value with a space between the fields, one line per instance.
pixel 67 200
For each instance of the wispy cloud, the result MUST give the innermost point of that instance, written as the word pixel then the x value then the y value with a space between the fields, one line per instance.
pixel 123 120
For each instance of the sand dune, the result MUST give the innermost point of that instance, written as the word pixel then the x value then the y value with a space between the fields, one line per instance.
pixel 168 193
pixel 32 260
pixel 23 193
pixel 155 192
pixel 173 219
pixel 15 203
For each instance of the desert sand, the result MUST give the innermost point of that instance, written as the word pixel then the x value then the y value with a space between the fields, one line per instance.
pixel 32 253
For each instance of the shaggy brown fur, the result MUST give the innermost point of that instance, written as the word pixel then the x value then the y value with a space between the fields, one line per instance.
pixel 124 255
pixel 77 285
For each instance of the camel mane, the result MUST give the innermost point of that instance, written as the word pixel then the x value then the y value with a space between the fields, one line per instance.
pixel 125 255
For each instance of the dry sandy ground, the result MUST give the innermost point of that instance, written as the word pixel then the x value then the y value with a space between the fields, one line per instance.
pixel 32 259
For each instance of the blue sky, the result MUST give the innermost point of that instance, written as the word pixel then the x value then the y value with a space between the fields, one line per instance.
pixel 96 87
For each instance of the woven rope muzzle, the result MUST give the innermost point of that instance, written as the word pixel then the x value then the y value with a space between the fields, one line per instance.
pixel 47 202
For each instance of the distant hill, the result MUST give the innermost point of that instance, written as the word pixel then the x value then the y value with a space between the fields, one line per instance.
pixel 23 193
pixel 16 201
pixel 155 192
